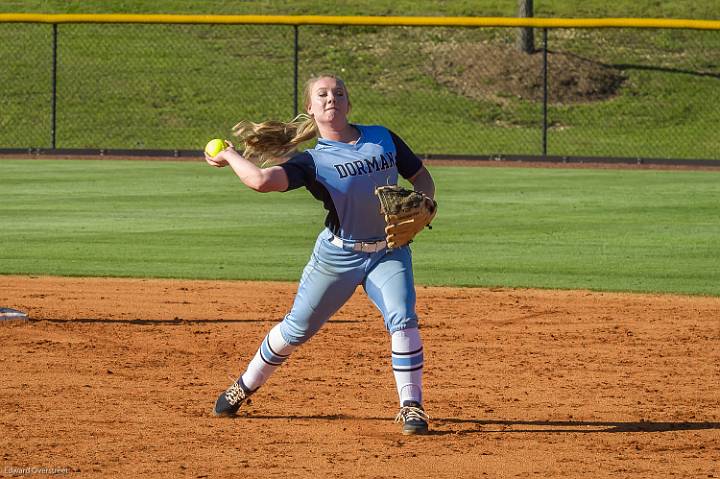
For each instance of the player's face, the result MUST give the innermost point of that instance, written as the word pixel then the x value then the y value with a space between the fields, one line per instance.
pixel 329 102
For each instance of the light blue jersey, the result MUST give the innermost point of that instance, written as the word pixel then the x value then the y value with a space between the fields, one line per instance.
pixel 344 176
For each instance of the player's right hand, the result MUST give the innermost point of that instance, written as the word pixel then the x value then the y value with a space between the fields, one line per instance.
pixel 218 161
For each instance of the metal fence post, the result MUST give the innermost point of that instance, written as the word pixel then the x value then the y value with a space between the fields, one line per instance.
pixel 295 70
pixel 53 105
pixel 545 94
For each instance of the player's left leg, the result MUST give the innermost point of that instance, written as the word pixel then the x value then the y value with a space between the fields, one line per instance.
pixel 389 284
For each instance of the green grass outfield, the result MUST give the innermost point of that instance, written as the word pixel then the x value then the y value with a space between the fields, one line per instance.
pixel 614 230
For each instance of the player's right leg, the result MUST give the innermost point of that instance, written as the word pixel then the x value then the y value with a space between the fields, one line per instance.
pixel 328 281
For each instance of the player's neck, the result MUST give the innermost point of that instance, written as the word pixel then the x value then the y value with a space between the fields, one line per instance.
pixel 346 134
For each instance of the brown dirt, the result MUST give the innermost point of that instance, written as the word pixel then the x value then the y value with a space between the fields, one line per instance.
pixel 491 72
pixel 116 378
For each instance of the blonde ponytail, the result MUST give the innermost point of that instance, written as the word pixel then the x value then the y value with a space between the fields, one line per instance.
pixel 269 141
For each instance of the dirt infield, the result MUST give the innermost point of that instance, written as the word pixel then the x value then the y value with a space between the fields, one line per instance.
pixel 116 378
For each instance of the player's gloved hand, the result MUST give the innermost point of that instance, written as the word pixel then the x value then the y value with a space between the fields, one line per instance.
pixel 406 213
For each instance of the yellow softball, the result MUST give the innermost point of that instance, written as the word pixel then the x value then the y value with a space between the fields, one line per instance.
pixel 214 147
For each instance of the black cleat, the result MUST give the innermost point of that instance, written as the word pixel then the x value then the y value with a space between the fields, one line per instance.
pixel 229 401
pixel 413 417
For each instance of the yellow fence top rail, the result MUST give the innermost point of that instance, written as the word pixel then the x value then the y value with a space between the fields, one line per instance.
pixel 366 20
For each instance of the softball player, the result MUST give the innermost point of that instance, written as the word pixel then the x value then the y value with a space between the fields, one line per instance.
pixel 342 171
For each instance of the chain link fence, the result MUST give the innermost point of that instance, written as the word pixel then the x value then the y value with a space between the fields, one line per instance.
pixel 621 92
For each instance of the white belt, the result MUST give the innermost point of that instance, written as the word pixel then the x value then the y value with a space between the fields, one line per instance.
pixel 359 246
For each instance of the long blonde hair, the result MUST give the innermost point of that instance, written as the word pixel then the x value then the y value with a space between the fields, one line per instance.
pixel 269 141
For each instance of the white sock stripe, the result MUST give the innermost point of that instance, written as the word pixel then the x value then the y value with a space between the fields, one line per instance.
pixel 409 370
pixel 268 361
pixel 272 351
pixel 277 344
pixel 269 356
pixel 417 351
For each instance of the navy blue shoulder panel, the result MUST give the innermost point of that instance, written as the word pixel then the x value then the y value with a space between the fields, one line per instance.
pixel 300 170
pixel 408 164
